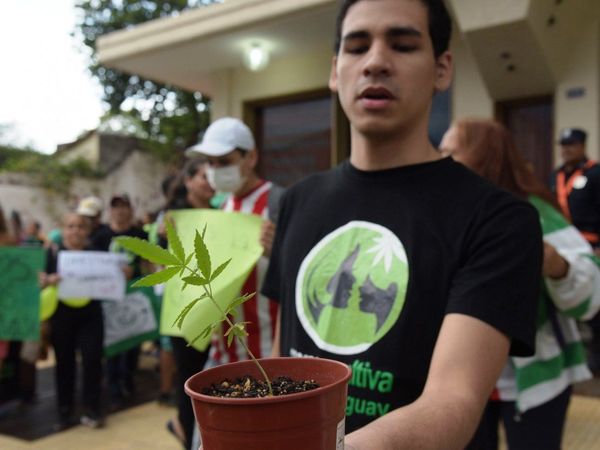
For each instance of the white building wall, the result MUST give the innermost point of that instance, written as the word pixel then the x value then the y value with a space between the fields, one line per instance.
pixel 140 176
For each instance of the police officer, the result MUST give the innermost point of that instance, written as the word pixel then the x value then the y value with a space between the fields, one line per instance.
pixel 577 187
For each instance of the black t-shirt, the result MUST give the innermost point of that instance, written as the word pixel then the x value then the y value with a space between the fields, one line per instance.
pixel 584 199
pixel 104 241
pixel 367 264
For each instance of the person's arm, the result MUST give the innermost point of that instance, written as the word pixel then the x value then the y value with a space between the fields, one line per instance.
pixel 577 292
pixel 267 234
pixel 49 276
pixel 467 360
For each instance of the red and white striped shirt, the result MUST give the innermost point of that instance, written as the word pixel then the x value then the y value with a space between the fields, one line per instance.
pixel 260 311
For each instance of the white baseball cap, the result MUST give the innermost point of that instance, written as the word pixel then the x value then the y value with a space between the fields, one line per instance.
pixel 89 206
pixel 223 136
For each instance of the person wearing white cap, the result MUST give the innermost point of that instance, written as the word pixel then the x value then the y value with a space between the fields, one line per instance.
pixel 231 159
pixel 229 147
pixel 92 206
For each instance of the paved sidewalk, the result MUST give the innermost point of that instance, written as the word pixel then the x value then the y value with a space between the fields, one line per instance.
pixel 143 427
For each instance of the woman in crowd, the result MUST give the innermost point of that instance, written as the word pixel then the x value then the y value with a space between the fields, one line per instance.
pixel 75 326
pixel 189 190
pixel 533 393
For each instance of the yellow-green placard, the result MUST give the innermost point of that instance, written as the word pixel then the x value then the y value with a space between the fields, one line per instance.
pixel 228 235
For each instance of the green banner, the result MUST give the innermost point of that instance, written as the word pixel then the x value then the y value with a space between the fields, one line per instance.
pixel 228 235
pixel 130 322
pixel 20 293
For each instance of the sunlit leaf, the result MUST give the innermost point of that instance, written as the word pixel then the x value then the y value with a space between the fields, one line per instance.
pixel 146 250
pixel 186 309
pixel 219 269
pixel 202 256
pixel 174 241
pixel 240 300
pixel 157 278
pixel 196 280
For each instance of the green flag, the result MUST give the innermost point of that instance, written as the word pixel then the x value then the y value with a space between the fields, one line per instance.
pixel 20 293
pixel 228 235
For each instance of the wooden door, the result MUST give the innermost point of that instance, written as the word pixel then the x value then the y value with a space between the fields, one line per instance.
pixel 531 123
pixel 293 135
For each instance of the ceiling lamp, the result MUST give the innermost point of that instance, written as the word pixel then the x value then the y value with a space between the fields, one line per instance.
pixel 256 57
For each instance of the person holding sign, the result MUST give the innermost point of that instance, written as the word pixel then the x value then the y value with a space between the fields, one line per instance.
pixel 121 368
pixel 231 159
pixel 75 325
pixel 189 190
pixel 6 239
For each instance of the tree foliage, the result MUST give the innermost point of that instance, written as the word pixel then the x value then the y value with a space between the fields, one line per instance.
pixel 171 117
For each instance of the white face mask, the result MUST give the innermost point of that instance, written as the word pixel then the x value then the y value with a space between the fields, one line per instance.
pixel 225 179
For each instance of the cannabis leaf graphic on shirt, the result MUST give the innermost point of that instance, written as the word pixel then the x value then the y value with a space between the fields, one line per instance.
pixel 386 247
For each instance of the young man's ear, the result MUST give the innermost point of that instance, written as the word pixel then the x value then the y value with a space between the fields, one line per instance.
pixel 443 76
pixel 333 75
pixel 252 158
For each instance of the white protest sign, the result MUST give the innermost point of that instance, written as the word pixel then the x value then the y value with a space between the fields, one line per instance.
pixel 96 275
pixel 124 320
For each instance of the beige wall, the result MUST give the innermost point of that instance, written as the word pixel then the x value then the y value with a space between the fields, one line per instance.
pixel 581 70
pixel 31 202
pixel 563 41
pixel 469 94
pixel 87 149
pixel 287 76
pixel 139 176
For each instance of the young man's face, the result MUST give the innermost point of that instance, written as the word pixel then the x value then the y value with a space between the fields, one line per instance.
pixel 385 72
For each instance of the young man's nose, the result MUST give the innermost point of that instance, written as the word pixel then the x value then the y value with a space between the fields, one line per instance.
pixel 377 61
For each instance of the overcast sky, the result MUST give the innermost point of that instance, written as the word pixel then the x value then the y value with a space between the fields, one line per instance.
pixel 46 92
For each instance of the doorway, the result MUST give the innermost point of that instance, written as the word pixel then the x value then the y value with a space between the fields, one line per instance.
pixel 293 135
pixel 531 124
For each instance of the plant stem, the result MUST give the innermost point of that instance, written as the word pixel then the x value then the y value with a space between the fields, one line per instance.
pixel 243 342
pixel 208 291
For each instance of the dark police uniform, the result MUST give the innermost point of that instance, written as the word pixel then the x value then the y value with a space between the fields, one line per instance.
pixel 578 193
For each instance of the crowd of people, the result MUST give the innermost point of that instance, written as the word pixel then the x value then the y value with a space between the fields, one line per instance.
pixel 454 269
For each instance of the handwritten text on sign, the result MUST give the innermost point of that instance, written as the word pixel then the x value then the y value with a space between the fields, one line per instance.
pixel 97 275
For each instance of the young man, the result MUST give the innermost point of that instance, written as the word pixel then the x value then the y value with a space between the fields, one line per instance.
pixel 408 267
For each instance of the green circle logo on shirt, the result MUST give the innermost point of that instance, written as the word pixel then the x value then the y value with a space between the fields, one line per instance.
pixel 351 287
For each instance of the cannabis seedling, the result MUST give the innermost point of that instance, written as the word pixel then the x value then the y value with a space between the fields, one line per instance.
pixel 178 262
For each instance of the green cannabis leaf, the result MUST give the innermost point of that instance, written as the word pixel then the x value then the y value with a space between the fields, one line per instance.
pixel 202 276
pixel 157 277
pixel 146 250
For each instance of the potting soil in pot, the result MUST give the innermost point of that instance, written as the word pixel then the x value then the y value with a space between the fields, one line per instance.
pixel 249 387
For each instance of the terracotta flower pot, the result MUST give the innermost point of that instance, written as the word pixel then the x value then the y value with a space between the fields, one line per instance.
pixel 309 420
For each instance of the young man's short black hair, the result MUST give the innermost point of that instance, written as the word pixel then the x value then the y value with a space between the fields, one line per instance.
pixel 440 24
